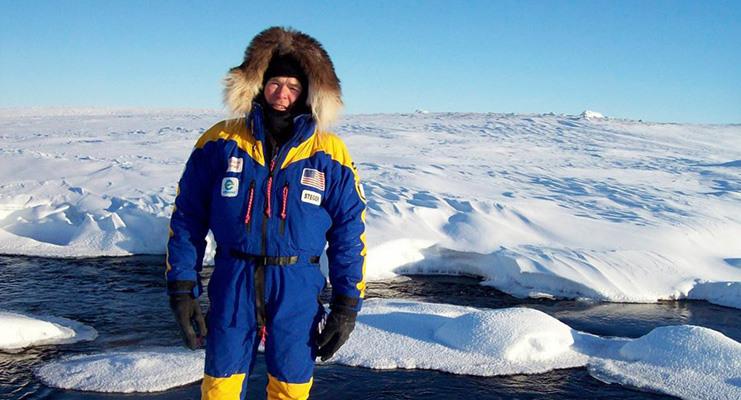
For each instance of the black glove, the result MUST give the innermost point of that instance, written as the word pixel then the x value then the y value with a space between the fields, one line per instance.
pixel 188 315
pixel 337 329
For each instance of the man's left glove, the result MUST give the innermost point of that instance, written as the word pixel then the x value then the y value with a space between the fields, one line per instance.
pixel 340 323
pixel 189 316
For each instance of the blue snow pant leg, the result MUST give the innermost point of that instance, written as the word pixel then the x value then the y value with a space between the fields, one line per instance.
pixel 231 345
pixel 293 314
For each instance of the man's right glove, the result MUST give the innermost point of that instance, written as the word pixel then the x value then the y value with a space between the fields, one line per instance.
pixel 188 315
pixel 340 323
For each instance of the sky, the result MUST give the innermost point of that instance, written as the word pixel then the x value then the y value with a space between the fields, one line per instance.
pixel 667 61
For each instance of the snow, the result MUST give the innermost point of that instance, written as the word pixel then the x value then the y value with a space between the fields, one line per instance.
pixel 18 331
pixel 517 334
pixel 588 114
pixel 686 361
pixel 145 370
pixel 723 293
pixel 459 340
pixel 537 205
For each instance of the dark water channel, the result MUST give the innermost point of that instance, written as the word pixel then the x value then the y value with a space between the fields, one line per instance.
pixel 124 300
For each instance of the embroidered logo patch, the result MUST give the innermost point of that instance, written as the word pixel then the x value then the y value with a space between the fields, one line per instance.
pixel 312 177
pixel 235 164
pixel 229 187
pixel 307 196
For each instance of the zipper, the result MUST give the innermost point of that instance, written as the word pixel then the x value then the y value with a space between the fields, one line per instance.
pixel 268 190
pixel 250 201
pixel 284 210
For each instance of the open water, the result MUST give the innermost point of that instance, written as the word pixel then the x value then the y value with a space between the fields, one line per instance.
pixel 124 300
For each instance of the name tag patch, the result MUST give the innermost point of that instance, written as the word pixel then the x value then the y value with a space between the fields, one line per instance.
pixel 229 187
pixel 235 164
pixel 308 196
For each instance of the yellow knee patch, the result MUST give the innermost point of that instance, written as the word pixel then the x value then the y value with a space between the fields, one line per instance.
pixel 278 390
pixel 229 388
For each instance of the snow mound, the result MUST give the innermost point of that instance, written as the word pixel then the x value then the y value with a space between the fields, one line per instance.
pixel 18 331
pixel 588 114
pixel 671 345
pixel 687 361
pixel 514 334
pixel 152 370
pixel 459 340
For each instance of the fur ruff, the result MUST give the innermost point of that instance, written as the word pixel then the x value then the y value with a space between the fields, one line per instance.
pixel 243 83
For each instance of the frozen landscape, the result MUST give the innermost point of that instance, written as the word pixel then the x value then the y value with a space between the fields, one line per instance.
pixel 538 206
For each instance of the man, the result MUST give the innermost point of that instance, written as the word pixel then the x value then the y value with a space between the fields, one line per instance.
pixel 274 188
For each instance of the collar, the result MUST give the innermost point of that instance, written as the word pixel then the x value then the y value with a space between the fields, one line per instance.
pixel 303 125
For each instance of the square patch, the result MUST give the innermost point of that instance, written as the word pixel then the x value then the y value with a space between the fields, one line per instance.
pixel 235 164
pixel 313 177
pixel 229 187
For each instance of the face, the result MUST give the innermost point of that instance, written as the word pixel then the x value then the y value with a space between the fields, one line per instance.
pixel 281 91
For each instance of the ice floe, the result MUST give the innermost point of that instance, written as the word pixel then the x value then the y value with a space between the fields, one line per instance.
pixel 146 370
pixel 18 331
pixel 460 340
pixel 686 361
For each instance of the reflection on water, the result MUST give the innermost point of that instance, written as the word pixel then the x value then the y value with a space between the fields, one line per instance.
pixel 123 298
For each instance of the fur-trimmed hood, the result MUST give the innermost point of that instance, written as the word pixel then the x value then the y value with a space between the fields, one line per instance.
pixel 244 83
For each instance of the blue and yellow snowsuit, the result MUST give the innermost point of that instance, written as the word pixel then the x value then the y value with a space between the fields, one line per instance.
pixel 271 220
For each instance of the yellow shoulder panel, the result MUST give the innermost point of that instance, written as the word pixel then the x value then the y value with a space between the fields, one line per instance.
pixel 234 130
pixel 326 142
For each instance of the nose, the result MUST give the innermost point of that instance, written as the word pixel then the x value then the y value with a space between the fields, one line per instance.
pixel 284 91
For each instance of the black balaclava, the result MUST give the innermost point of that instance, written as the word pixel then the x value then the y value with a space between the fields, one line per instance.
pixel 279 124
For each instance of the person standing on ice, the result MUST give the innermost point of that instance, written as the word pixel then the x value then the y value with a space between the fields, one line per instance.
pixel 274 187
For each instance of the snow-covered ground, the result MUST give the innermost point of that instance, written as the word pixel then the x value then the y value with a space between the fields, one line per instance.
pixel 18 331
pixel 537 205
pixel 686 361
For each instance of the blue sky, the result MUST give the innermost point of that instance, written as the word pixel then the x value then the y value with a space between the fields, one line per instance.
pixel 653 60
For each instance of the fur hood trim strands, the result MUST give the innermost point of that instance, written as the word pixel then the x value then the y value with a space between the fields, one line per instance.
pixel 244 83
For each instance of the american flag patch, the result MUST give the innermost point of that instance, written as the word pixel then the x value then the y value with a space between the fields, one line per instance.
pixel 235 164
pixel 313 178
